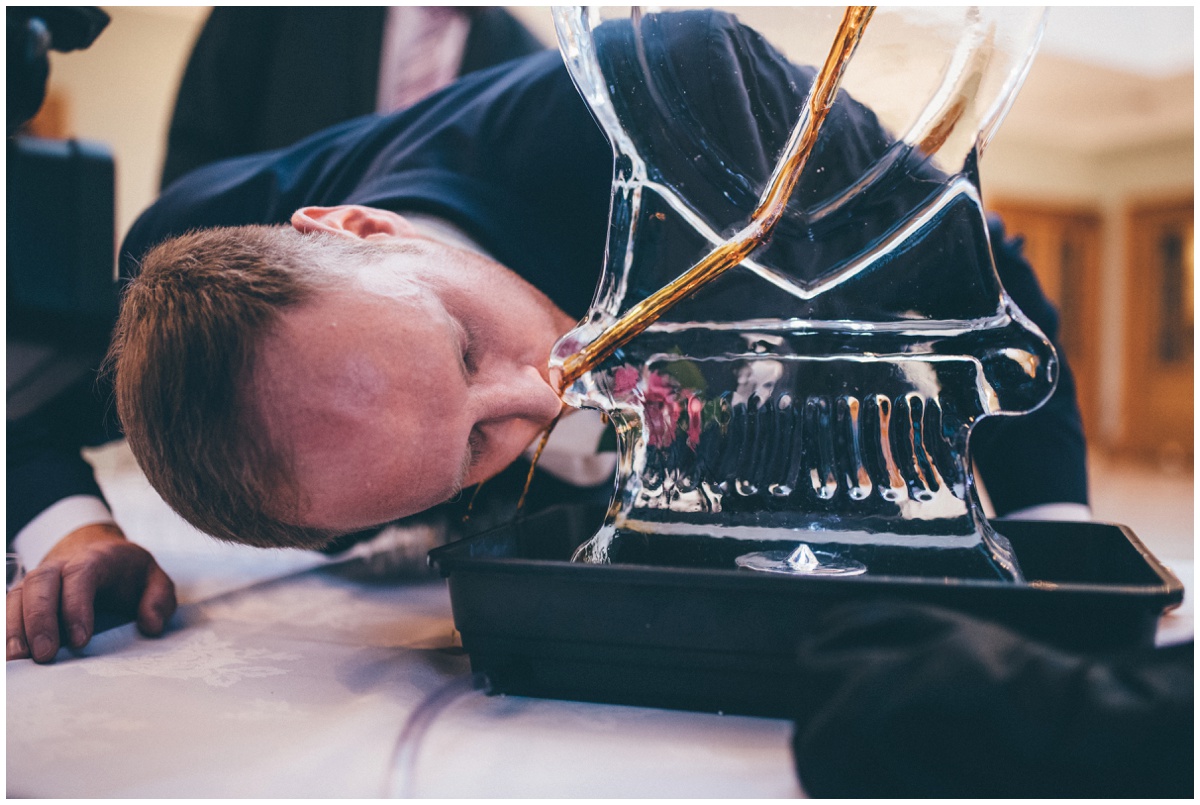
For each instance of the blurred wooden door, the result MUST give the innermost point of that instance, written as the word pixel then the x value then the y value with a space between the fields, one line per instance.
pixel 1063 245
pixel 1158 418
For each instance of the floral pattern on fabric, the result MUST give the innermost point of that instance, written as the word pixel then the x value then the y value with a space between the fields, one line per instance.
pixel 200 656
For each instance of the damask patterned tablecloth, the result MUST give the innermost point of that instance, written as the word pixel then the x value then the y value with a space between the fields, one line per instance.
pixel 286 674
pixel 303 686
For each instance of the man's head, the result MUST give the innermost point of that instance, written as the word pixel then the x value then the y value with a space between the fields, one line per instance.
pixel 283 385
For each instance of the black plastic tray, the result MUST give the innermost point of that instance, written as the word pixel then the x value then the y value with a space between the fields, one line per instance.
pixel 723 640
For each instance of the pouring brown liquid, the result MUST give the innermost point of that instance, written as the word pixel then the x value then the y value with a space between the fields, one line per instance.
pixel 756 232
pixel 762 221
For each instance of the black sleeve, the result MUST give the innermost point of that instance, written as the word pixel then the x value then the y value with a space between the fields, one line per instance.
pixel 44 464
pixel 1040 457
pixel 909 701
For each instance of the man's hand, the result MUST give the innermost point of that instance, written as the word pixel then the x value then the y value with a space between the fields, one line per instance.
pixel 92 566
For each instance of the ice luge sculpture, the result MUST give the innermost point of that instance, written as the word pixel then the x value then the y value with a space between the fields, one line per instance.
pixel 808 411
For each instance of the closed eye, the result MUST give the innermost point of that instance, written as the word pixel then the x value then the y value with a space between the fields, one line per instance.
pixel 470 351
pixel 466 349
pixel 468 358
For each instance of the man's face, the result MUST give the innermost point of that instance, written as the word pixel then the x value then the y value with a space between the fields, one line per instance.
pixel 388 398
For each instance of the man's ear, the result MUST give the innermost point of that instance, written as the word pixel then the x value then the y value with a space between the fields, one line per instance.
pixel 353 220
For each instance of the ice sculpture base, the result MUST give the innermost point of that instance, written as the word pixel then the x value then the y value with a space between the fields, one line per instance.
pixel 698 544
pixel 803 561
pixel 688 635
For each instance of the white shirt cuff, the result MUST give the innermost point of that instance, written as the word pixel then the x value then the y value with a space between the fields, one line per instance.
pixel 43 532
pixel 1053 511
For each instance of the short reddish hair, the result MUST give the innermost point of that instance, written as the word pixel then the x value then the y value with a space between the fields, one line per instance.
pixel 182 357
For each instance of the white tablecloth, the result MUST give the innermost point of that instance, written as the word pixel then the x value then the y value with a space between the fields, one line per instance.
pixel 285 676
pixel 303 686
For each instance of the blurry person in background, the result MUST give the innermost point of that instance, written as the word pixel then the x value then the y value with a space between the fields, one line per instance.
pixel 249 64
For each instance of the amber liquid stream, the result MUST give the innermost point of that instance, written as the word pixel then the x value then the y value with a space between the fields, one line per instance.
pixel 762 221
pixel 756 232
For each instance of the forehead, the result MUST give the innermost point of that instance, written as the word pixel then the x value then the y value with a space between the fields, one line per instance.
pixel 352 335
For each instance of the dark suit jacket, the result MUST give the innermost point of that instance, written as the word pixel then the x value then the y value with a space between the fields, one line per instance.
pixel 263 77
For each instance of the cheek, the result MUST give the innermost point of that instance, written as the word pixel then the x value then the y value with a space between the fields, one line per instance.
pixel 373 496
pixel 420 463
pixel 378 471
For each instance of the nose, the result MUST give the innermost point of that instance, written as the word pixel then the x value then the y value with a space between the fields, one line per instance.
pixel 519 394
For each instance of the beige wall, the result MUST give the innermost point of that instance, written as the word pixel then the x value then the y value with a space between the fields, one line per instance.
pixel 120 92
pixel 1048 173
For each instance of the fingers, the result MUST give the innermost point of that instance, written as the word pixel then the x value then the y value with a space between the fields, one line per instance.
pixel 16 646
pixel 39 607
pixel 158 602
pixel 90 567
pixel 80 580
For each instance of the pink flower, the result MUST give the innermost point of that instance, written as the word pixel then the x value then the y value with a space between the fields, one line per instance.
pixel 625 380
pixel 662 410
pixel 694 408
